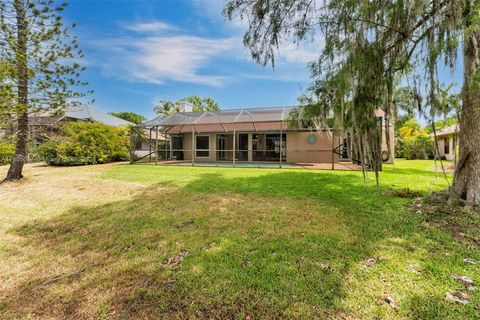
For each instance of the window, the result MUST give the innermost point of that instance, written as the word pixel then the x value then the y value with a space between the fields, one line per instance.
pixel 446 145
pixel 202 146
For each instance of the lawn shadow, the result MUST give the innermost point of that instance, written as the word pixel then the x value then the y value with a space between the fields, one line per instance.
pixel 277 245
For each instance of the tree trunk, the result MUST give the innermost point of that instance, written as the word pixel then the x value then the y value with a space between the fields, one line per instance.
pixel 466 185
pixel 16 166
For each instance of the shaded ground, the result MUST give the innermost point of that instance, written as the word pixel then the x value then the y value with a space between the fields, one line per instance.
pixel 131 242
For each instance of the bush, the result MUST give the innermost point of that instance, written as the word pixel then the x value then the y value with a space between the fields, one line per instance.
pixel 419 147
pixel 7 150
pixel 83 143
pixel 399 148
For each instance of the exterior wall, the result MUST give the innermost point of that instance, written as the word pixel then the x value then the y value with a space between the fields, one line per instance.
pixel 187 146
pixel 299 150
pixel 452 147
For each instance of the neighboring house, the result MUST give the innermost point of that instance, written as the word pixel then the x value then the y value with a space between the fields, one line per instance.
pixel 49 120
pixel 45 124
pixel 447 139
pixel 259 134
pixel 76 113
pixel 147 140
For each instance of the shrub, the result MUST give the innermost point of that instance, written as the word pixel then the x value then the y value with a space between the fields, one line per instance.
pixel 399 148
pixel 7 150
pixel 83 143
pixel 418 147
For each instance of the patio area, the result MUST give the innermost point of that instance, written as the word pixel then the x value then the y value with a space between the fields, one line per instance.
pixel 349 166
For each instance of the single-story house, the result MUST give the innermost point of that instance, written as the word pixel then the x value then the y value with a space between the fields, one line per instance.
pixel 144 140
pixel 447 139
pixel 44 124
pixel 249 135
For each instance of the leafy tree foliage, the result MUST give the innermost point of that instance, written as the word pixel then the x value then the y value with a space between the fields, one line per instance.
pixel 202 104
pixel 399 122
pixel 167 107
pixel 83 143
pixel 410 128
pixel 129 116
pixel 420 146
pixel 444 123
pixel 43 68
pixel 7 150
pixel 7 96
pixel 413 141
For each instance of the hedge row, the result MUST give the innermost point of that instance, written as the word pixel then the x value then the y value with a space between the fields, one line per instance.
pixel 83 143
pixel 421 147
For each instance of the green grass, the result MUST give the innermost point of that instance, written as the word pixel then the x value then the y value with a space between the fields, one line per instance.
pixel 264 243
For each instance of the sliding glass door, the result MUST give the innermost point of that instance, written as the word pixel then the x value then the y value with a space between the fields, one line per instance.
pixel 222 143
pixel 266 147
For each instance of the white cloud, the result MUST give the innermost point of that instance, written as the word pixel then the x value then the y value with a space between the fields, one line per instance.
pixel 213 11
pixel 151 27
pixel 159 52
pixel 288 52
pixel 160 58
pixel 304 53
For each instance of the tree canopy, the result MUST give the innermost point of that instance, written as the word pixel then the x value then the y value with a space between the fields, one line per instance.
pixel 166 107
pixel 130 116
pixel 42 69
pixel 367 45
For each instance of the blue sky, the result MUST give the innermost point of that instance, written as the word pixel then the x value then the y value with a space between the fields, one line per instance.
pixel 138 52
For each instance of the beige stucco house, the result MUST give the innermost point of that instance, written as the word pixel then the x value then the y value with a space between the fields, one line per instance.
pixel 447 140
pixel 249 135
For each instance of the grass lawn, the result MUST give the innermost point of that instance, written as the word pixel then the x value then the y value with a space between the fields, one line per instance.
pixel 126 241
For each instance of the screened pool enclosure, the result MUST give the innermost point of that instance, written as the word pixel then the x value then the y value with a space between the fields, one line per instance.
pixel 240 137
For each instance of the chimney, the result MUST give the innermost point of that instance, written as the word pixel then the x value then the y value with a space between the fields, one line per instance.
pixel 184 106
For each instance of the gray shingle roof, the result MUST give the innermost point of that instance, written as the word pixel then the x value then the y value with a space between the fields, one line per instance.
pixel 448 130
pixel 83 112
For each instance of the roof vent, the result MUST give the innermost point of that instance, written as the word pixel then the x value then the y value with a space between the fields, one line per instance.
pixel 184 106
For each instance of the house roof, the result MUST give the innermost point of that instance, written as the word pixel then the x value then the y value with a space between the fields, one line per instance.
pixel 81 112
pixel 84 112
pixel 229 116
pixel 448 130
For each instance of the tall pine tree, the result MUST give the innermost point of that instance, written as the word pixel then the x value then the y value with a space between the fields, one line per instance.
pixel 34 40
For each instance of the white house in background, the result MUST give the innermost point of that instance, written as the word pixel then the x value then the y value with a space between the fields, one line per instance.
pixel 447 139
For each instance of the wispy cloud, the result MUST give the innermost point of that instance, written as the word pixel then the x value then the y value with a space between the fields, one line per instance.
pixel 213 9
pixel 300 54
pixel 288 52
pixel 158 52
pixel 153 26
pixel 159 57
